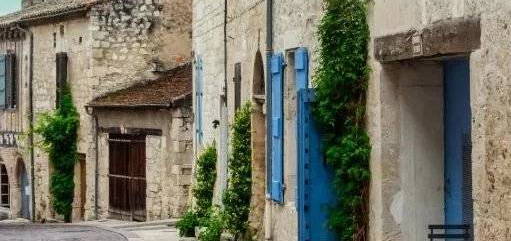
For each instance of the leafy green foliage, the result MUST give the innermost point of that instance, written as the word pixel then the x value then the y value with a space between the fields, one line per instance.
pixel 186 225
pixel 213 226
pixel 341 83
pixel 202 192
pixel 236 198
pixel 205 181
pixel 58 130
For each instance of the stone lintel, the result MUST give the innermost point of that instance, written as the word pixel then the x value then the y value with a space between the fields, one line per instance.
pixel 446 37
pixel 131 131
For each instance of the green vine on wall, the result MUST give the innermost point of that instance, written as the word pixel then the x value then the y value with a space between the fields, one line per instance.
pixel 58 130
pixel 341 84
pixel 236 198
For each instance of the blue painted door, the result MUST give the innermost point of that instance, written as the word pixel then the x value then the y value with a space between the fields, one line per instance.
pixel 315 191
pixel 457 149
pixel 277 125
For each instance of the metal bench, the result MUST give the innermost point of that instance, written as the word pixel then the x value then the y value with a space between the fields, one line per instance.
pixel 465 235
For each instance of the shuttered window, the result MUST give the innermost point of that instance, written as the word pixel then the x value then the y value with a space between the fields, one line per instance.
pixel 277 104
pixel 199 95
pixel 237 86
pixel 10 81
pixel 61 60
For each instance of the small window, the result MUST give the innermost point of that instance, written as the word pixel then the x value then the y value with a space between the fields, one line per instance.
pixel 8 81
pixel 54 40
pixel 61 75
pixel 4 187
pixel 237 86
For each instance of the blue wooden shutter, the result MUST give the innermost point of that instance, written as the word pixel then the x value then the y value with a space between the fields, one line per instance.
pixel 2 80
pixel 315 189
pixel 199 95
pixel 277 158
pixel 302 68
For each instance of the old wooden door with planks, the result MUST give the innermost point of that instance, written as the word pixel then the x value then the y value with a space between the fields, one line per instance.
pixel 127 177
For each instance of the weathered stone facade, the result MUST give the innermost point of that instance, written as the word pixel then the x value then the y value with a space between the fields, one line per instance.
pixel 412 88
pixel 110 45
pixel 168 158
pixel 294 26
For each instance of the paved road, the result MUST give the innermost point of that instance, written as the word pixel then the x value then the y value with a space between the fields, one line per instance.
pixel 39 232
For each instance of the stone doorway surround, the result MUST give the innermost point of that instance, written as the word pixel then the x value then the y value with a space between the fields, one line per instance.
pixel 410 94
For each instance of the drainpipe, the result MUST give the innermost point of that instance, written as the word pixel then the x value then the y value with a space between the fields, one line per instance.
pixel 31 118
pixel 31 114
pixel 269 51
pixel 225 53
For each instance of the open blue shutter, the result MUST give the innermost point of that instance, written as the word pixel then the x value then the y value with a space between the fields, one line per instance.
pixel 315 190
pixel 302 68
pixel 2 80
pixel 277 163
pixel 199 95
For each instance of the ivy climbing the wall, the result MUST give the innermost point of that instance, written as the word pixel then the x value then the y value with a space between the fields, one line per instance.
pixel 58 130
pixel 236 198
pixel 341 82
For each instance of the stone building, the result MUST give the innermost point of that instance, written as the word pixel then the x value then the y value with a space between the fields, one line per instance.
pixel 232 69
pixel 437 110
pixel 102 46
pixel 145 137
pixel 438 117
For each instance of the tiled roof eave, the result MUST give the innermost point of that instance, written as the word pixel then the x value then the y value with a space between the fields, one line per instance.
pixel 176 101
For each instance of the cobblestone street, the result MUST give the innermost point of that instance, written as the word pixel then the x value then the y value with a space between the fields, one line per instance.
pixel 39 232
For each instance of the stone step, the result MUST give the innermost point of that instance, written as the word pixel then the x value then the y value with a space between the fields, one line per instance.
pixel 145 228
pixel 167 223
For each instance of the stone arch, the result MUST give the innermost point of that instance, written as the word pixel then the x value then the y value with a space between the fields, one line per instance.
pixel 258 119
pixel 21 193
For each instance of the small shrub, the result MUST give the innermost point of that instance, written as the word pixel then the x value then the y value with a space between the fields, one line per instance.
pixel 236 198
pixel 213 226
pixel 186 225
pixel 202 192
pixel 205 181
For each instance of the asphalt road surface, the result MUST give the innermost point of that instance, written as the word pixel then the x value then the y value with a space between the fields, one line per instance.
pixel 41 232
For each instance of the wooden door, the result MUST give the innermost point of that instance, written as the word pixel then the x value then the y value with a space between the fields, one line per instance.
pixel 127 177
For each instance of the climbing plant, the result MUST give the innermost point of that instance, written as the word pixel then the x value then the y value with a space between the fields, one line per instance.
pixel 58 130
pixel 341 83
pixel 236 198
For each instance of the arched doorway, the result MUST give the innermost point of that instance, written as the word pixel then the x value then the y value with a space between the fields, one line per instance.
pixel 24 186
pixel 257 203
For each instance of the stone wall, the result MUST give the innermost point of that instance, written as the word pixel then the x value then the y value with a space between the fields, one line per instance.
pixel 68 36
pixel 489 73
pixel 15 120
pixel 294 26
pixel 132 41
pixel 168 158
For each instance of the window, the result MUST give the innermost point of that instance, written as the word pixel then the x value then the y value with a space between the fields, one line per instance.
pixel 4 187
pixel 237 86
pixel 61 75
pixel 8 81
